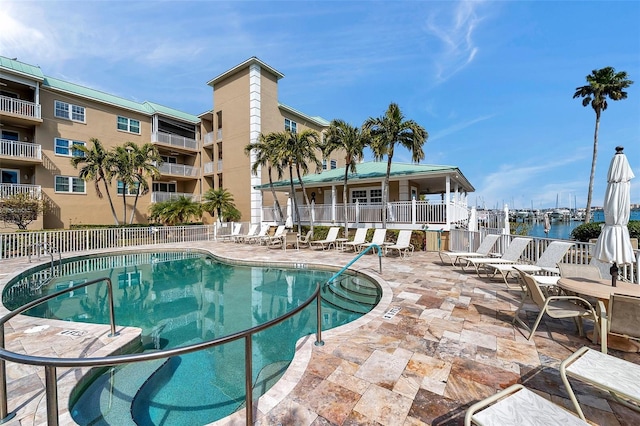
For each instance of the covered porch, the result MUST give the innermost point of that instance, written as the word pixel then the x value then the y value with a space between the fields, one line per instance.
pixel 420 197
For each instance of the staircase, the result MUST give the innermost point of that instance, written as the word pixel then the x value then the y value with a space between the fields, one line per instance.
pixel 352 294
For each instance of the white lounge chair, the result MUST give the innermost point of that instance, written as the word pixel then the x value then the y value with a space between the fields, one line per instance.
pixel 234 233
pixel 275 239
pixel 621 317
pixel 328 242
pixel 517 405
pixel 547 262
pixel 257 238
pixel 484 249
pixel 614 375
pixel 403 244
pixel 378 239
pixel 511 255
pixel 253 230
pixel 359 238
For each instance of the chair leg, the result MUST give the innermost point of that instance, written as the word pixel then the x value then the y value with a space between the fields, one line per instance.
pixel 536 324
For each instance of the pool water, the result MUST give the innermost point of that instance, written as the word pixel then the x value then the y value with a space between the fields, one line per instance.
pixel 181 298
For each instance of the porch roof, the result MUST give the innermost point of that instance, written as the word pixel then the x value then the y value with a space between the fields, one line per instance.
pixel 430 177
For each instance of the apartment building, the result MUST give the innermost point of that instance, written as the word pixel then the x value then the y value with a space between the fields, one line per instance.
pixel 42 120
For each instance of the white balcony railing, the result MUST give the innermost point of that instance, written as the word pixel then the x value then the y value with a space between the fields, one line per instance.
pixel 9 148
pixel 219 135
pixel 19 107
pixel 208 167
pixel 219 166
pixel 158 197
pixel 10 189
pixel 178 170
pixel 208 139
pixel 175 140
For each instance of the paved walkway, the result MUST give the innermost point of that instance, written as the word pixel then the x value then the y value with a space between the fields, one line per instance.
pixel 450 344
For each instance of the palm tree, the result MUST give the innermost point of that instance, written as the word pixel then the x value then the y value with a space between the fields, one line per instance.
pixel 266 156
pixel 218 201
pixel 178 210
pixel 387 131
pixel 602 83
pixel 97 167
pixel 300 149
pixel 122 168
pixel 145 161
pixel 352 141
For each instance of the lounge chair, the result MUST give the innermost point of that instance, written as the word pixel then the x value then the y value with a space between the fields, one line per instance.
pixel 614 375
pixel 378 239
pixel 483 250
pixel 257 238
pixel 328 242
pixel 304 241
pixel 253 229
pixel 622 318
pixel 234 233
pixel 517 405
pixel 555 306
pixel 403 244
pixel 359 238
pixel 547 262
pixel 511 255
pixel 275 239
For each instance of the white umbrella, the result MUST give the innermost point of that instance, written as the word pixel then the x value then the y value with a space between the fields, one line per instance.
pixel 614 245
pixel 473 220
pixel 547 224
pixel 289 221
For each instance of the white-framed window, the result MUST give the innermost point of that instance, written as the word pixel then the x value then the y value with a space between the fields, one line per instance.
pixel 130 189
pixel 164 187
pixel 334 164
pixel 9 176
pixel 70 184
pixel 128 125
pixel 169 159
pixel 290 125
pixel 68 148
pixel 10 135
pixel 69 111
pixel 366 195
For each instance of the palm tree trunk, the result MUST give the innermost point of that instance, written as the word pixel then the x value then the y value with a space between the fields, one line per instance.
pixel 113 209
pixel 306 197
pixel 587 216
pixel 385 190
pixel 273 192
pixel 293 198
pixel 133 211
pixel 345 198
pixel 124 204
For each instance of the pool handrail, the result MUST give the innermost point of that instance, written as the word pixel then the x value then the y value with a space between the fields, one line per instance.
pixel 50 364
pixel 363 252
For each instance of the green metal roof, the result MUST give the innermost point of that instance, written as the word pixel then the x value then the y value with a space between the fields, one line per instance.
pixel 318 120
pixel 21 68
pixel 171 112
pixel 374 170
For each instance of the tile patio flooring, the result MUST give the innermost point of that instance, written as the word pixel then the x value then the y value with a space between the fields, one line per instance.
pixel 451 344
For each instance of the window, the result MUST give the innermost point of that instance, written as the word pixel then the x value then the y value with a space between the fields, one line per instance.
pixel 169 160
pixel 375 196
pixel 68 147
pixel 324 164
pixel 10 135
pixel 128 125
pixel 366 195
pixel 164 187
pixel 131 189
pixel 290 125
pixel 70 184
pixel 334 164
pixel 9 176
pixel 69 111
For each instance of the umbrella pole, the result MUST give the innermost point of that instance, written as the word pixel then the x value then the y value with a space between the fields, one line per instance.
pixel 614 274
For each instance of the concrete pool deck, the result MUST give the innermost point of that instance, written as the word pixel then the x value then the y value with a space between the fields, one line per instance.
pixel 450 344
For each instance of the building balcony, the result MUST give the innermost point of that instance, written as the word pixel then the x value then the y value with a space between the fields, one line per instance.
pixel 158 197
pixel 219 135
pixel 10 189
pixel 175 142
pixel 179 170
pixel 209 139
pixel 20 152
pixel 209 168
pixel 18 111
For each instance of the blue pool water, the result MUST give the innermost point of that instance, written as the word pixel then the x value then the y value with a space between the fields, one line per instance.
pixel 179 299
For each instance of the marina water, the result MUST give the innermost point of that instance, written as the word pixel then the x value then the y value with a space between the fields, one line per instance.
pixel 562 230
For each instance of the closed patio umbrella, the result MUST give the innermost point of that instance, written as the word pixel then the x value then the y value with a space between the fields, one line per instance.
pixel 547 224
pixel 614 245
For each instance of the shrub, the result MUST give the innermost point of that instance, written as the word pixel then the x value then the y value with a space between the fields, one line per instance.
pixel 592 230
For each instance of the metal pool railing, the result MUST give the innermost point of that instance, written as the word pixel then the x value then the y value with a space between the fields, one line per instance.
pixel 51 364
pixel 345 267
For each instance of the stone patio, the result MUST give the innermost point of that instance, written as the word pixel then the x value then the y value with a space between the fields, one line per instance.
pixel 451 343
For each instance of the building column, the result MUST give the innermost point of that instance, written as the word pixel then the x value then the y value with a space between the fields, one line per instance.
pixel 255 127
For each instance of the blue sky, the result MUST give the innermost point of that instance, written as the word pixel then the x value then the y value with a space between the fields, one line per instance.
pixel 491 82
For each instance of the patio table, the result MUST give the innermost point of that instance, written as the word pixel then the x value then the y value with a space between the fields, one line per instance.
pixel 601 289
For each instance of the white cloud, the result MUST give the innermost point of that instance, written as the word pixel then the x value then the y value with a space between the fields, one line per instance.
pixel 457 127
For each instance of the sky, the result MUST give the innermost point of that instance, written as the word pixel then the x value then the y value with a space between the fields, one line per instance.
pixel 492 82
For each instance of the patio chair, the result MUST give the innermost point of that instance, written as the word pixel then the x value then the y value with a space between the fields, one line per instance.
pixel 304 241
pixel 253 229
pixel 483 250
pixel 328 242
pixel 378 238
pixel 568 270
pixel 547 262
pixel 403 244
pixel 234 233
pixel 517 405
pixel 275 239
pixel 360 237
pixel 555 306
pixel 252 239
pixel 511 255
pixel 614 375
pixel 622 318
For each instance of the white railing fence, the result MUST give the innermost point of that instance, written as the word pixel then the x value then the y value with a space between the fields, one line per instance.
pixel 158 197
pixel 20 107
pixel 11 148
pixel 208 167
pixel 175 140
pixel 179 170
pixel 10 189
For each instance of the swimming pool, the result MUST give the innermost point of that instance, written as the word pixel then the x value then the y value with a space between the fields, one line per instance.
pixel 179 298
